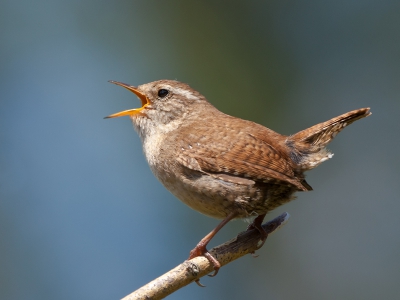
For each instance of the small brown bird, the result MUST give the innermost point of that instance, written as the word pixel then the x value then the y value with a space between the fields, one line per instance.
pixel 223 166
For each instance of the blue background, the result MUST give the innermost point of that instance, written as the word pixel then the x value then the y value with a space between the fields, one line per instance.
pixel 81 215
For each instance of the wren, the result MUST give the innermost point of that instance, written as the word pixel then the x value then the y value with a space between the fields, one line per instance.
pixel 222 166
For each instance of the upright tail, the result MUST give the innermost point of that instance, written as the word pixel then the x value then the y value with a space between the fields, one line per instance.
pixel 308 146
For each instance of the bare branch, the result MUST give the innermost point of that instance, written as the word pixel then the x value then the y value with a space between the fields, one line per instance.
pixel 190 270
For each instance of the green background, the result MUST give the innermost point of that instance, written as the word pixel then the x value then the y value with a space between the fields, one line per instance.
pixel 81 215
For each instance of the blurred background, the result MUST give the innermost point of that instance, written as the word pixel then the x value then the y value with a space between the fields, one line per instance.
pixel 81 215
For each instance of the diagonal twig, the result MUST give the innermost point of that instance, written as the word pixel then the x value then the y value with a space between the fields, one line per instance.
pixel 191 270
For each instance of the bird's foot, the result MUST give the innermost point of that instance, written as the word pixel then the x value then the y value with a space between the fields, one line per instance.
pixel 257 224
pixel 201 250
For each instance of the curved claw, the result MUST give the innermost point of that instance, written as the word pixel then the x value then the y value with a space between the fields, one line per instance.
pixel 199 283
pixel 256 224
pixel 213 274
pixel 202 251
pixel 213 261
pixel 263 239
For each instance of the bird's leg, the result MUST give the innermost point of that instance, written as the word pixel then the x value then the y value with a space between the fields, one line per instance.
pixel 201 249
pixel 256 224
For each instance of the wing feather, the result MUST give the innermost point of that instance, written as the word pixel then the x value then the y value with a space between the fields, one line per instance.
pixel 249 156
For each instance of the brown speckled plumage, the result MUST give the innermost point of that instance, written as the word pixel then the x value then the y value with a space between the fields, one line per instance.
pixel 223 166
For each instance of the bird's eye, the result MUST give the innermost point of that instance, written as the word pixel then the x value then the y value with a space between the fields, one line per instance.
pixel 162 93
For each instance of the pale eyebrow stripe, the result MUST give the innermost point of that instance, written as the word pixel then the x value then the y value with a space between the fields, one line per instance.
pixel 184 93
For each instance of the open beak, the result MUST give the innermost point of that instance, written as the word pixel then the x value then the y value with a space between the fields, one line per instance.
pixel 145 101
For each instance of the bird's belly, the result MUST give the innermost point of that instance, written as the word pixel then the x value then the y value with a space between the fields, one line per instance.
pixel 217 198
